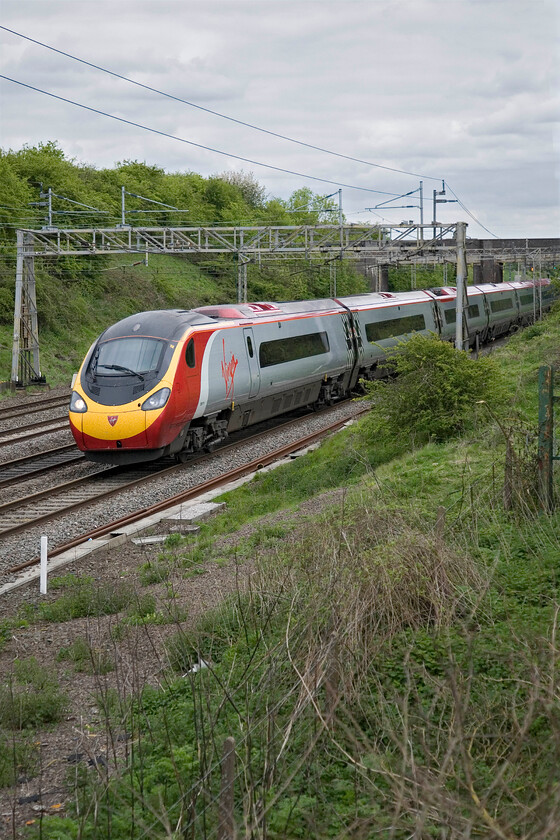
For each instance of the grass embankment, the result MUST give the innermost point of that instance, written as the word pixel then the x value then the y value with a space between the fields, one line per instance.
pixel 382 677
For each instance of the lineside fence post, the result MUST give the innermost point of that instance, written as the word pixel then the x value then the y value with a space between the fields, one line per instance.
pixel 545 456
pixel 226 824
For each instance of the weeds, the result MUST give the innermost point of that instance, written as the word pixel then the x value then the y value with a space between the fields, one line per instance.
pixel 18 759
pixel 31 697
pixel 86 658
pixel 85 597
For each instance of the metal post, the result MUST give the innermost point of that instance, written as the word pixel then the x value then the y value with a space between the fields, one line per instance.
pixel 50 207
pixel 340 223
pixel 123 222
pixel 332 273
pixel 226 824
pixel 539 267
pixel 422 211
pixel 241 279
pixel 25 347
pixel 461 284
pixel 17 308
pixel 546 436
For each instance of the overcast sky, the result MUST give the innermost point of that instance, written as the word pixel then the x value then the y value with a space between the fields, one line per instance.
pixel 462 90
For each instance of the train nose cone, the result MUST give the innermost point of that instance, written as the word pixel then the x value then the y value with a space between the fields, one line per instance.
pixel 126 426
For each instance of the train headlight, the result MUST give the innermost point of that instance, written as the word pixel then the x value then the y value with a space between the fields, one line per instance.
pixel 77 403
pixel 157 400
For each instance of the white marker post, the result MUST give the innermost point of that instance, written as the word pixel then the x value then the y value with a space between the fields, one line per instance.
pixel 43 573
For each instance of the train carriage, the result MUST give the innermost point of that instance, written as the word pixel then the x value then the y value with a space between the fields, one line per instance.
pixel 476 314
pixel 503 308
pixel 383 319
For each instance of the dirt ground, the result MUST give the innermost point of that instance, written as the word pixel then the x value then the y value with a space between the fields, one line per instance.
pixel 81 739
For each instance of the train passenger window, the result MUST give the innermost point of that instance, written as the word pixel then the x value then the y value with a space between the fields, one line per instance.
pixel 289 349
pixel 450 316
pixel 501 304
pixel 526 300
pixel 379 330
pixel 250 346
pixel 189 354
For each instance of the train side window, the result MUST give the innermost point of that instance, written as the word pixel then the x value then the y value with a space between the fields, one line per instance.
pixel 501 304
pixel 283 350
pixel 189 354
pixel 450 316
pixel 250 346
pixel 378 330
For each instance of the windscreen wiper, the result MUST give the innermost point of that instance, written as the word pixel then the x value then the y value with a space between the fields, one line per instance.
pixel 123 369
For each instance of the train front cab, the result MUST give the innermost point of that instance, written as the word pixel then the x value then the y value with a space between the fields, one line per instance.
pixel 136 390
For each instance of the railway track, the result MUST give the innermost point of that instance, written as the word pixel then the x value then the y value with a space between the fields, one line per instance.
pixel 31 466
pixel 18 434
pixel 27 512
pixel 33 407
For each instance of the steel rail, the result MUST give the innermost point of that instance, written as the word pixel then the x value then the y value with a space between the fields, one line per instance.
pixel 195 491
pixel 118 479
pixel 14 471
pixel 29 436
pixel 9 411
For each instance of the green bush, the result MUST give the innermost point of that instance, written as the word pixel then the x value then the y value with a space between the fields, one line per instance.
pixel 435 390
pixel 31 697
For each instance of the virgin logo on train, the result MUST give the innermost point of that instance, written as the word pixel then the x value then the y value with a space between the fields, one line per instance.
pixel 228 370
pixel 112 420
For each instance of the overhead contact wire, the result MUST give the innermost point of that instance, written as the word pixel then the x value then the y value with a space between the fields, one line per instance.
pixel 191 142
pixel 218 114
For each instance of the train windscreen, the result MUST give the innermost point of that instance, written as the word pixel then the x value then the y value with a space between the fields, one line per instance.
pixel 137 355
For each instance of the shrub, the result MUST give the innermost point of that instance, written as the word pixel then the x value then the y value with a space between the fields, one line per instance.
pixel 17 758
pixel 435 391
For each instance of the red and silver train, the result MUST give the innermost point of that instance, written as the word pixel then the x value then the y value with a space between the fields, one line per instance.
pixel 173 382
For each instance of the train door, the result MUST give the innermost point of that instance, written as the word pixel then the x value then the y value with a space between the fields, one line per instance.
pixel 254 371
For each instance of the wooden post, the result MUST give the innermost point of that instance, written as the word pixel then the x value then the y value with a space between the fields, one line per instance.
pixel 508 477
pixel 226 827
pixel 440 527
pixel 546 436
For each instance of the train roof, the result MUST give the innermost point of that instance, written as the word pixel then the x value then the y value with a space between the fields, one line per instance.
pixel 163 323
pixel 243 311
pixel 370 299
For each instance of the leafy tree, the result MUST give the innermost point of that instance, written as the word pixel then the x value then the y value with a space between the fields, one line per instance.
pixel 253 192
pixel 307 208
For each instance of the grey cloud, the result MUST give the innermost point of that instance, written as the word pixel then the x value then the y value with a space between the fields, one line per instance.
pixel 456 90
